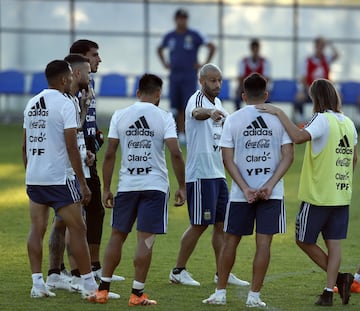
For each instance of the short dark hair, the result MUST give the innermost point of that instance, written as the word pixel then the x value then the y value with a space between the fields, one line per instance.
pixel 149 83
pixel 255 85
pixel 254 43
pixel 76 58
pixel 83 46
pixel 55 69
pixel 181 13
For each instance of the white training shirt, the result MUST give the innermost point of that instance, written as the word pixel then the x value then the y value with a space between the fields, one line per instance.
pixel 319 130
pixel 80 137
pixel 204 159
pixel 46 116
pixel 142 129
pixel 257 139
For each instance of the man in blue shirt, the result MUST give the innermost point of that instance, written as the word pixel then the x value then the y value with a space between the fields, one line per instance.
pixel 183 44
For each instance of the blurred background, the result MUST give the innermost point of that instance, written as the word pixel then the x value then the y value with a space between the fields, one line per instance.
pixel 34 32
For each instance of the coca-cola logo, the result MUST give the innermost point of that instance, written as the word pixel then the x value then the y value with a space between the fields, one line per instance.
pixel 139 144
pixel 262 143
pixel 343 162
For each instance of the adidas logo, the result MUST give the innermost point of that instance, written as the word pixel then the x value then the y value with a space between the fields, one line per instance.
pixel 344 146
pixel 140 128
pixel 257 127
pixel 39 109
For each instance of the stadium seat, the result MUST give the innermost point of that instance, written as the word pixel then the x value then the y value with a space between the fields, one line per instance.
pixel 283 90
pixel 113 85
pixel 38 83
pixel 225 90
pixel 350 92
pixel 12 82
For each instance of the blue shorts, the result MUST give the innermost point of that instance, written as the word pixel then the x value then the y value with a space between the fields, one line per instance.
pixel 181 88
pixel 55 196
pixel 149 207
pixel 207 200
pixel 269 216
pixel 332 222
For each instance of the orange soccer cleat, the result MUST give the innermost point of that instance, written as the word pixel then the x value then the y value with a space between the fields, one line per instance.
pixel 141 301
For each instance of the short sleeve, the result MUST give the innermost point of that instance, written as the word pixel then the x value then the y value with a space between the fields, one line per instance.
pixel 226 139
pixel 69 114
pixel 170 127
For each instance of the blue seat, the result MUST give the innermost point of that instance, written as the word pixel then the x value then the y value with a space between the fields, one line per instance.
pixel 225 90
pixel 12 82
pixel 113 85
pixel 350 92
pixel 38 83
pixel 283 90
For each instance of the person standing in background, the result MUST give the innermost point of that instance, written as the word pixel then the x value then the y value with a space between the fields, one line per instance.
pixel 316 66
pixel 183 44
pixel 253 63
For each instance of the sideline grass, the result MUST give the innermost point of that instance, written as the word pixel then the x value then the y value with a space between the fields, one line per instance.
pixel 292 283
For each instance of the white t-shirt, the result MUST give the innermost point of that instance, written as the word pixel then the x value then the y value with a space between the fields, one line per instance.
pixel 204 158
pixel 318 128
pixel 80 137
pixel 46 116
pixel 142 129
pixel 257 139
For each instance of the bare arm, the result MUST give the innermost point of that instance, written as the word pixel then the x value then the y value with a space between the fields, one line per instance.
pixel 355 156
pixel 76 162
pixel 107 170
pixel 200 113
pixel 211 47
pixel 160 52
pixel 287 157
pixel 297 135
pixel 24 157
pixel 179 169
pixel 228 159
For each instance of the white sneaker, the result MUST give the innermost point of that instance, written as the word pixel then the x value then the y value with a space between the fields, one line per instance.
pixel 112 295
pixel 183 278
pixel 65 275
pixel 116 278
pixel 76 284
pixel 54 281
pixel 216 299
pixel 40 292
pixel 233 280
pixel 253 302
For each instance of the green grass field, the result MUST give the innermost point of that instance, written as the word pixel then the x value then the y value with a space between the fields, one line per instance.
pixel 293 282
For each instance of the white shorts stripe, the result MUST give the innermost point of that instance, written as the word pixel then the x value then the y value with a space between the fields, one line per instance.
pixel 73 190
pixel 198 203
pixel 302 221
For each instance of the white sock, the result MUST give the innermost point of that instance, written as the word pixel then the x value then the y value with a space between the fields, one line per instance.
pixel 89 281
pixel 138 285
pixel 220 291
pixel 108 280
pixel 329 289
pixel 255 295
pixel 357 277
pixel 37 279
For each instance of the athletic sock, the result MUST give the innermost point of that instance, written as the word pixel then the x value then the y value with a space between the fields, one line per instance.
pixel 138 288
pixel 75 272
pixel 95 265
pixel 52 271
pixel 178 270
